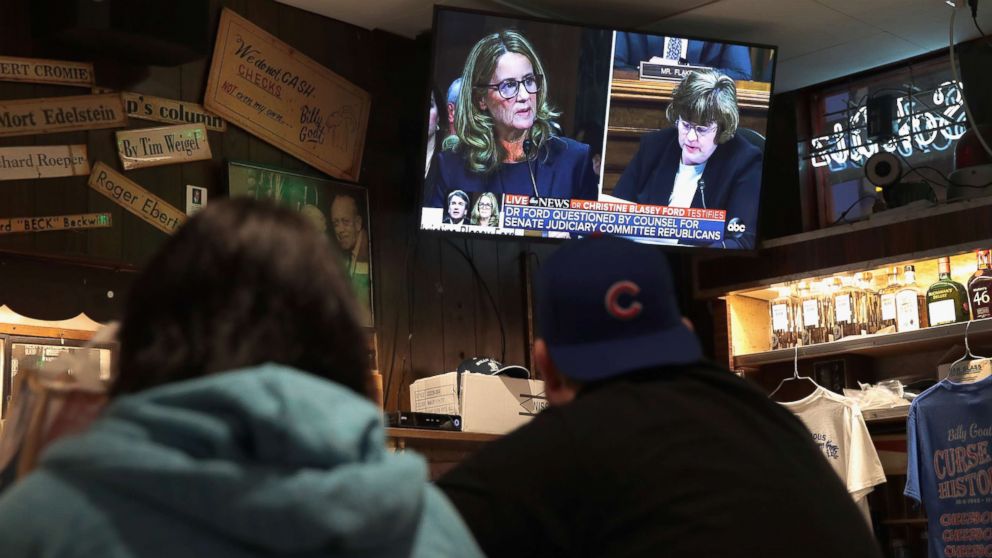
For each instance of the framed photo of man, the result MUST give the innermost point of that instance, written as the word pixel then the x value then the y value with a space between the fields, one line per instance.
pixel 338 208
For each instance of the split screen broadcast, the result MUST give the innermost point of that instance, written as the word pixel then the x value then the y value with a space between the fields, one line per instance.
pixel 550 130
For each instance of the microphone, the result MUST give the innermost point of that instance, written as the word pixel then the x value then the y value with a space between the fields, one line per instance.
pixel 528 147
pixel 702 191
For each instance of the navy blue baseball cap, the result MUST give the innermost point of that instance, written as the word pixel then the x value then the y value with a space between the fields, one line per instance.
pixel 606 306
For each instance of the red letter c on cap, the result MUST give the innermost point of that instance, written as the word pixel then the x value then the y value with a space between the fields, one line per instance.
pixel 612 300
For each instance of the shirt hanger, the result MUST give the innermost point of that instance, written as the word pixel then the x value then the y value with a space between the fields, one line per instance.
pixel 795 376
pixel 968 372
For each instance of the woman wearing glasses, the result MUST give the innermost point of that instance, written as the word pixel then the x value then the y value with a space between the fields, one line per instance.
pixel 506 139
pixel 486 211
pixel 700 162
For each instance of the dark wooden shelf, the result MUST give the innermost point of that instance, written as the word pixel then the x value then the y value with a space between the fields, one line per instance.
pixel 439 435
pixel 931 338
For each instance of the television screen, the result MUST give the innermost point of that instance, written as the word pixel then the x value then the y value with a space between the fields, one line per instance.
pixel 541 129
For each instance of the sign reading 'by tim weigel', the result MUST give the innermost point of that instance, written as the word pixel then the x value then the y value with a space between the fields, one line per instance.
pixel 36 70
pixel 125 193
pixel 43 161
pixel 55 223
pixel 149 147
pixel 61 114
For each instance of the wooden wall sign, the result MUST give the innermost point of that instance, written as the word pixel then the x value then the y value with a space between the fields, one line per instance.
pixel 36 70
pixel 170 111
pixel 166 145
pixel 61 114
pixel 55 223
pixel 280 95
pixel 125 193
pixel 43 161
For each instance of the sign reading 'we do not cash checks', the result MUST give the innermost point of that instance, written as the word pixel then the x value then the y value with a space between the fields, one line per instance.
pixel 125 193
pixel 280 95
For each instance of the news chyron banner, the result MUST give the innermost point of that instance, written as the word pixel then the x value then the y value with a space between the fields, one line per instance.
pixel 584 217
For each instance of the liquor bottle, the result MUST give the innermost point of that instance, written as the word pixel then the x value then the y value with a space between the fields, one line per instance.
pixel 786 315
pixel 845 301
pixel 887 300
pixel 870 307
pixel 814 319
pixel 979 295
pixel 947 300
pixel 911 305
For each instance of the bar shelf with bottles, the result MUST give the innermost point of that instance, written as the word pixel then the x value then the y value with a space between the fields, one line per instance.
pixel 898 308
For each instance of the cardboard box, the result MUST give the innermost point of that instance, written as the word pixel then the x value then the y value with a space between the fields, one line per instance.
pixel 487 404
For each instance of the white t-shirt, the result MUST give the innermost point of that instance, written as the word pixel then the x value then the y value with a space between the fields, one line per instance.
pixel 839 429
pixel 686 182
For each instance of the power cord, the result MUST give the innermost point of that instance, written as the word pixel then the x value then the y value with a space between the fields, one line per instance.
pixel 485 287
pixel 848 210
pixel 947 181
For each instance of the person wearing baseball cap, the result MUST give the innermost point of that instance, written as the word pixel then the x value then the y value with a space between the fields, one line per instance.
pixel 647 449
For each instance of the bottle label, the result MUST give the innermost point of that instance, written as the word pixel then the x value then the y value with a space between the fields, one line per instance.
pixel 907 311
pixel 981 305
pixel 842 308
pixel 942 312
pixel 811 313
pixel 888 307
pixel 780 317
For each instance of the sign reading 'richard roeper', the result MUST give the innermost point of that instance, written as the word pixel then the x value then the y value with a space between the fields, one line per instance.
pixel 43 161
pixel 125 193
pixel 149 147
pixel 277 93
pixel 61 114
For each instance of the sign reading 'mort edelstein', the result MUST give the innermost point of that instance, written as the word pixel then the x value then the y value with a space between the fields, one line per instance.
pixel 275 92
pixel 61 114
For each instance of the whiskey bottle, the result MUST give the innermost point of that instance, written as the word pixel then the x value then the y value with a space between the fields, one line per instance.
pixel 887 300
pixel 911 304
pixel 814 318
pixel 978 287
pixel 870 306
pixel 785 315
pixel 845 302
pixel 947 300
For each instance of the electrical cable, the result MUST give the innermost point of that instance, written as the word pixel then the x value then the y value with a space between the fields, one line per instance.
pixel 848 210
pixel 492 300
pixel 964 99
pixel 947 181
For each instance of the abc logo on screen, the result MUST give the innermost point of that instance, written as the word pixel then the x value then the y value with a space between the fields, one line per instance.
pixel 735 225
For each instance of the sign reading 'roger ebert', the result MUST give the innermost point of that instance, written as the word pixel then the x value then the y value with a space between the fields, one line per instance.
pixel 125 193
pixel 280 95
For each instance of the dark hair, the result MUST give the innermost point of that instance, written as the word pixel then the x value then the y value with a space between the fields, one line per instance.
pixel 242 283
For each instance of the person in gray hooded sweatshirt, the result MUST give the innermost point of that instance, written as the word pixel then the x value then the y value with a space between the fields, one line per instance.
pixel 239 423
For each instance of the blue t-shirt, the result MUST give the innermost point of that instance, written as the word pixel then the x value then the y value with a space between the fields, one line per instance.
pixel 949 434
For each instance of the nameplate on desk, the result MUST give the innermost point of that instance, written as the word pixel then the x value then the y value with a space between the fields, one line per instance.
pixel 667 72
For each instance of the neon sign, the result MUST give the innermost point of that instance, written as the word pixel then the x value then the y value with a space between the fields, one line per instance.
pixel 924 131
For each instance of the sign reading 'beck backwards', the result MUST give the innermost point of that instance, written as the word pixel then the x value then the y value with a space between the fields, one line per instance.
pixel 61 114
pixel 125 193
pixel 149 147
pixel 76 222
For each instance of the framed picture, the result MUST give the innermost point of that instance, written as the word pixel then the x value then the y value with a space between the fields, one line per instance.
pixel 339 208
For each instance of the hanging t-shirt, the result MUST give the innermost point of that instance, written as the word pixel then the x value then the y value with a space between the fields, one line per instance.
pixel 839 429
pixel 949 434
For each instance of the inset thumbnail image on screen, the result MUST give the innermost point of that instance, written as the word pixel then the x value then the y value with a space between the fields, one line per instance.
pixel 541 129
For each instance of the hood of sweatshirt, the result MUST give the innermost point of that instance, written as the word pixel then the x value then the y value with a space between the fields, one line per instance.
pixel 271 457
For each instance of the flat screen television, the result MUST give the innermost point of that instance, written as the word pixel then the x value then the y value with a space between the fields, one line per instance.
pixel 543 129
